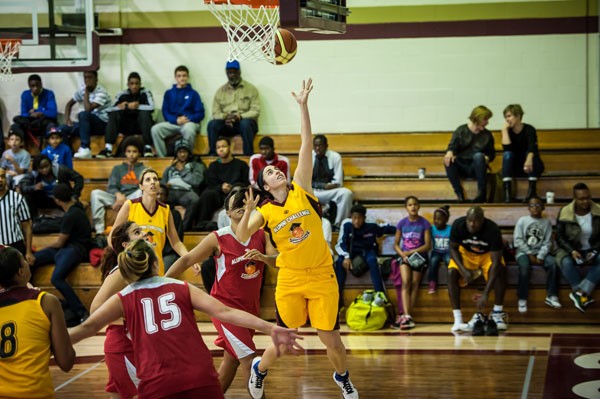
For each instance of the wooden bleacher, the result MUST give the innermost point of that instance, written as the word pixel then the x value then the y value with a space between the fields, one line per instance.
pixel 405 142
pixel 381 169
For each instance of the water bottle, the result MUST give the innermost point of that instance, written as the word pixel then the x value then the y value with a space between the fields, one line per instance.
pixel 367 296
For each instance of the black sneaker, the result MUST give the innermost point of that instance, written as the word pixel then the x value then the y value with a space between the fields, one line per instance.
pixel 105 153
pixel 479 326
pixel 491 329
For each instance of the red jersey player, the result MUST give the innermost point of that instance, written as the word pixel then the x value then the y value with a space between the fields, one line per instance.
pixel 239 274
pixel 171 357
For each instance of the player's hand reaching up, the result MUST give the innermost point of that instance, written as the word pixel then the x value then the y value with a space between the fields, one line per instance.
pixel 285 340
pixel 302 96
pixel 250 201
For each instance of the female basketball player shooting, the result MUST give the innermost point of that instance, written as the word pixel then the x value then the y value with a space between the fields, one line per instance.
pixel 306 283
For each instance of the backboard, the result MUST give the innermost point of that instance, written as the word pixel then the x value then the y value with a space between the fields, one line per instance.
pixel 317 16
pixel 57 35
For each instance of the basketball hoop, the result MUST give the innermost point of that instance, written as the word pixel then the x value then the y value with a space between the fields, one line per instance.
pixel 9 48
pixel 250 25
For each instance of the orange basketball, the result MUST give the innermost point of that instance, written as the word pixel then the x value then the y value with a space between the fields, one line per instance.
pixel 285 46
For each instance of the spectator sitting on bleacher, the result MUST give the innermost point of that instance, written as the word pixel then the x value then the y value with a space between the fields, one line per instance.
pixel 123 184
pixel 521 156
pixel 169 254
pixel 130 114
pixel 328 179
pixel 578 238
pixel 93 118
pixel 38 109
pixel 440 246
pixel 357 243
pixel 411 242
pixel 16 159
pixel 37 186
pixel 267 156
pixel 15 221
pixel 533 242
pixel 235 110
pixel 183 111
pixel 185 180
pixel 476 250
pixel 70 248
pixel 469 152
pixel 221 176
pixel 58 152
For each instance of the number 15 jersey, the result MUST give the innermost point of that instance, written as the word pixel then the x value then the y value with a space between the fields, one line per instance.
pixel 170 354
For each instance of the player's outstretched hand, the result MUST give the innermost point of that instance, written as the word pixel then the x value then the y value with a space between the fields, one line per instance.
pixel 250 201
pixel 302 96
pixel 286 339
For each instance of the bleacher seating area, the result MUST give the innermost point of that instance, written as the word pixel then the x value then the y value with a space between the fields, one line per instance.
pixel 381 169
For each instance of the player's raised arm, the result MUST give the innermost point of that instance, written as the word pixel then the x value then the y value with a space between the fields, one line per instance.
pixel 303 173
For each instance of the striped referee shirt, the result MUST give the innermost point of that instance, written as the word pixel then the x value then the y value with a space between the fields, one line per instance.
pixel 13 211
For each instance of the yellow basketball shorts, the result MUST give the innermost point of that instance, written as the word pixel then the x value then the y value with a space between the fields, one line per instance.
pixel 473 261
pixel 307 293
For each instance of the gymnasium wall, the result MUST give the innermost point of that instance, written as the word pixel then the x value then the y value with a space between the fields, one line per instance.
pixel 419 67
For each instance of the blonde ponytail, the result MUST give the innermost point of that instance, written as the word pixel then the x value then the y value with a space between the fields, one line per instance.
pixel 137 260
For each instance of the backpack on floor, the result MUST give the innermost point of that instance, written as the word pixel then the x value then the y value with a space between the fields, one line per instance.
pixel 368 312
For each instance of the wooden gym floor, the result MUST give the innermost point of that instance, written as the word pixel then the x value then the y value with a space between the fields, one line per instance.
pixel 528 361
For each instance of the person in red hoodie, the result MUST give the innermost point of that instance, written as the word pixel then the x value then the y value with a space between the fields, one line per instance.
pixel 267 156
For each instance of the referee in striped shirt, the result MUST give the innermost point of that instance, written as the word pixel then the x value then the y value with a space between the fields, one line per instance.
pixel 15 220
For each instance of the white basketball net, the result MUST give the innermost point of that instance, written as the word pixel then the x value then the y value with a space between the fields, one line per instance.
pixel 8 50
pixel 250 31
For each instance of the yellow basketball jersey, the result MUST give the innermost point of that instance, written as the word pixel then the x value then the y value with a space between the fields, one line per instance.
pixel 154 226
pixel 24 345
pixel 297 230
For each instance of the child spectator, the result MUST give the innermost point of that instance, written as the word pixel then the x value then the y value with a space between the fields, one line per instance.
pixel 440 234
pixel 533 242
pixel 123 184
pixel 15 160
pixel 358 239
pixel 37 186
pixel 58 152
pixel 412 241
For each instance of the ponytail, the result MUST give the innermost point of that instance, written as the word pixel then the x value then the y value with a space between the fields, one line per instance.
pixel 137 260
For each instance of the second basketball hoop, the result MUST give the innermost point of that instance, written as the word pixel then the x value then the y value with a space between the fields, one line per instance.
pixel 251 27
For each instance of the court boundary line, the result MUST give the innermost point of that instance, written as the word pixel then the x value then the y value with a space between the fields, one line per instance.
pixel 528 375
pixel 76 377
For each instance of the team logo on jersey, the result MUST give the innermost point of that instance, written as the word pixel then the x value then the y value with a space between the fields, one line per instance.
pixel 298 233
pixel 290 220
pixel 149 237
pixel 250 271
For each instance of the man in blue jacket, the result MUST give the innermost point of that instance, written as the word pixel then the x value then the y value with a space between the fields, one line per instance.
pixel 38 108
pixel 183 111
